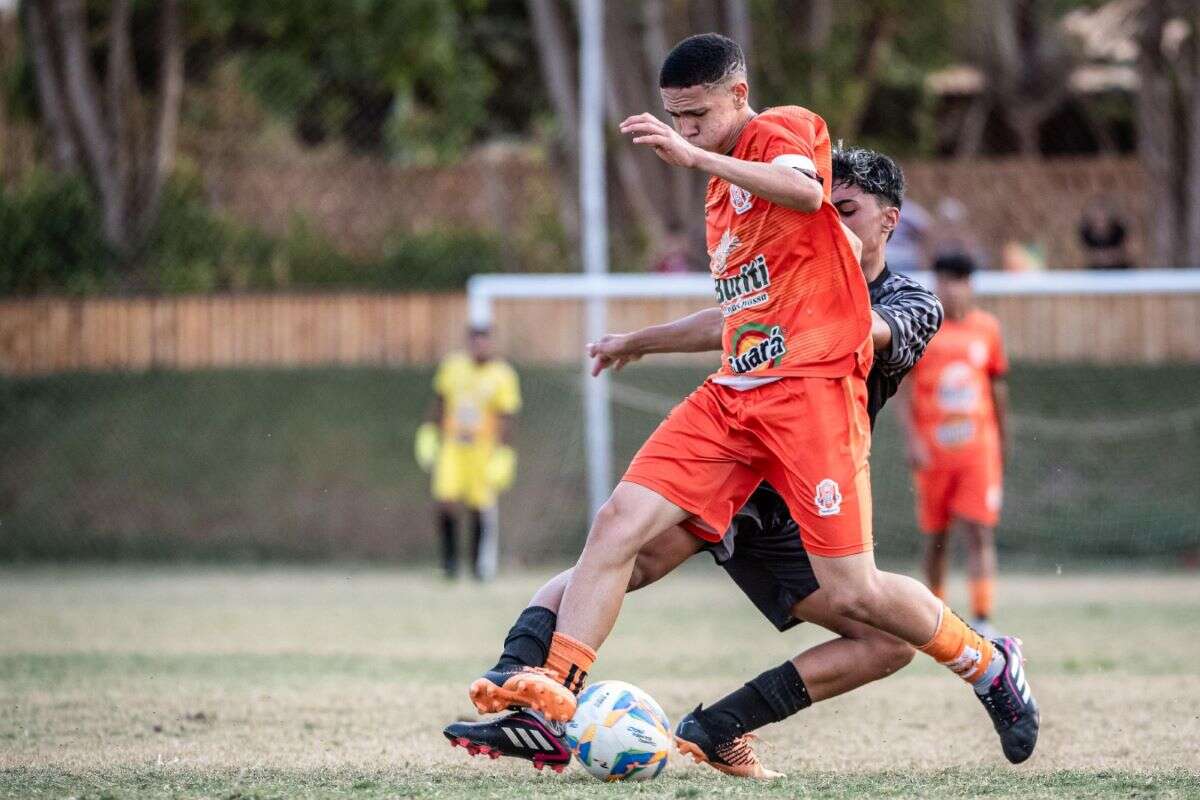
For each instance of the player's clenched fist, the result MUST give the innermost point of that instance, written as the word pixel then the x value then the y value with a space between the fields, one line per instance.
pixel 611 350
pixel 649 130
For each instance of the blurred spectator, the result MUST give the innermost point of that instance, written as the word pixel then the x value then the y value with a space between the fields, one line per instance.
pixel 1104 237
pixel 673 255
pixel 907 250
pixel 1022 257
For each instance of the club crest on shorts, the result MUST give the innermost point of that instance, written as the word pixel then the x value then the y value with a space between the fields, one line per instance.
pixel 828 498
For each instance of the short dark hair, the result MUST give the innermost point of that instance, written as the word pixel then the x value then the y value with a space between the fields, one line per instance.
pixel 701 60
pixel 870 171
pixel 954 265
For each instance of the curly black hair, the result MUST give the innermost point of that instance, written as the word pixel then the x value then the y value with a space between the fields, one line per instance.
pixel 872 172
pixel 701 60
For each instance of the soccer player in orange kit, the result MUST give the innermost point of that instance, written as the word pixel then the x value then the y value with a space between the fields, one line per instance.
pixel 787 406
pixel 955 424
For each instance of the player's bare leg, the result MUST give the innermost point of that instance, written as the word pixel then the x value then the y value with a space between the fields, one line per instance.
pixel 660 556
pixel 981 573
pixel 905 608
pixel 527 645
pixel 631 517
pixel 937 551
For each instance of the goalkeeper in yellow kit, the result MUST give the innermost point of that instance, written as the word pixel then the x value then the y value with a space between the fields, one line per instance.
pixel 466 442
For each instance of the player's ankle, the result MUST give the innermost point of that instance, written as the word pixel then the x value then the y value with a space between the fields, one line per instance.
pixel 569 661
pixel 528 641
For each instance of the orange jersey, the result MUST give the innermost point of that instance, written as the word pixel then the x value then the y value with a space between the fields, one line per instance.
pixel 792 293
pixel 952 405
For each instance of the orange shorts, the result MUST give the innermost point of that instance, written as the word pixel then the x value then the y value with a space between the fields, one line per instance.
pixel 968 489
pixel 809 437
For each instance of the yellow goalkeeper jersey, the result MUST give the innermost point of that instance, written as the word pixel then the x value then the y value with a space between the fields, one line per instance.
pixel 474 397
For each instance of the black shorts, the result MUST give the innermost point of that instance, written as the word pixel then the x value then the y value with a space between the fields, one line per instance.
pixel 764 555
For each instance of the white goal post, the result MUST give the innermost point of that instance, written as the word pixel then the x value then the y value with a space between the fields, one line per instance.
pixel 484 290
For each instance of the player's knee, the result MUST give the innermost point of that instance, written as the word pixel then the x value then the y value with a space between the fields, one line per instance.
pixel 611 532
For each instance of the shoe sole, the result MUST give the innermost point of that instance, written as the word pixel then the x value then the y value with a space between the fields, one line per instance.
pixel 694 750
pixel 549 698
pixel 474 749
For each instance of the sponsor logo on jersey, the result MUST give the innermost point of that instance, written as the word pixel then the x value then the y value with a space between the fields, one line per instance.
pixel 828 498
pixel 719 255
pixel 957 391
pixel 741 200
pixel 955 432
pixel 756 346
pixel 746 289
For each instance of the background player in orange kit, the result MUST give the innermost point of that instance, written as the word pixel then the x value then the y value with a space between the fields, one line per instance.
pixel 956 423
pixel 787 406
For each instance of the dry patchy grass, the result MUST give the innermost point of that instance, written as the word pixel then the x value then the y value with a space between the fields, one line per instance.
pixel 194 682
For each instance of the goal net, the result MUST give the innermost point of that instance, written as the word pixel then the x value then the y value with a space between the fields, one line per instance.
pixel 1105 427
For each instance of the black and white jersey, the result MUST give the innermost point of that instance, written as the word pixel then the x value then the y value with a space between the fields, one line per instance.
pixel 914 314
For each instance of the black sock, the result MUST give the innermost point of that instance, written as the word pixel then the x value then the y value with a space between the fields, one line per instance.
pixel 528 641
pixel 772 696
pixel 449 546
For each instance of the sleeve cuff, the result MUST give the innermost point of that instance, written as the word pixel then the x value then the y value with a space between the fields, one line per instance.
pixel 887 356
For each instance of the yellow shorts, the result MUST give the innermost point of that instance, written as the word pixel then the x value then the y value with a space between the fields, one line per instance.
pixel 460 475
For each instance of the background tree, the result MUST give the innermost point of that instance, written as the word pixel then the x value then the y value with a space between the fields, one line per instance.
pixel 110 116
pixel 1168 128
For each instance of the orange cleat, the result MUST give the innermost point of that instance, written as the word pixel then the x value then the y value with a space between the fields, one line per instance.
pixel 526 688
pixel 735 757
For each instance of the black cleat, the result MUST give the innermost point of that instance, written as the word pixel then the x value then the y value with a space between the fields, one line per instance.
pixel 1009 702
pixel 735 757
pixel 521 734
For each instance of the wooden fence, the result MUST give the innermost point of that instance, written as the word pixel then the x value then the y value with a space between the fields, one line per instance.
pixel 41 336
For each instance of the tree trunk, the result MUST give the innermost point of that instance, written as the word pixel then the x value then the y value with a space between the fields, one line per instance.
pixel 161 161
pixel 970 134
pixel 1156 140
pixel 556 61
pixel 738 27
pixel 1192 184
pixel 68 20
pixel 49 89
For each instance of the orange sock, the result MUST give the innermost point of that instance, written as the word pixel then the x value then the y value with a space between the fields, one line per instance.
pixel 569 661
pixel 939 592
pixel 981 597
pixel 957 646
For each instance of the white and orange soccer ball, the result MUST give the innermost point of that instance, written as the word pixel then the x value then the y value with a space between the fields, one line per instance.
pixel 619 733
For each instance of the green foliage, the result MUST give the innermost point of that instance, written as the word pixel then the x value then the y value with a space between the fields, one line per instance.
pixel 383 76
pixel 53 243
pixel 915 37
pixel 438 260
pixel 51 238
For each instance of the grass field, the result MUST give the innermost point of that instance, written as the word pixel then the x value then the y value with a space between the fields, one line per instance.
pixel 335 682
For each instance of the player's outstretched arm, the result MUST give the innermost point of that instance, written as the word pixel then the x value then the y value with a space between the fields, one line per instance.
pixel 695 333
pixel 781 184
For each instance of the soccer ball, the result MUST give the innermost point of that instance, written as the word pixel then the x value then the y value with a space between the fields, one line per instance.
pixel 619 733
